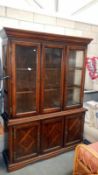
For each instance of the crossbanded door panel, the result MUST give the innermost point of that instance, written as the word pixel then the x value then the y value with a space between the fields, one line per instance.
pixel 73 129
pixel 26 141
pixel 51 134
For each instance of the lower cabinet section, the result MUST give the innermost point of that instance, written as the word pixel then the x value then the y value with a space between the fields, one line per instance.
pixel 44 138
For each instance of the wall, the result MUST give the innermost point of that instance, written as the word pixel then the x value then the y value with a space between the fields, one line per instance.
pixel 36 22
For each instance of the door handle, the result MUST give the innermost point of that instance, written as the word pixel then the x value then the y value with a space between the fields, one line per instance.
pixel 5 77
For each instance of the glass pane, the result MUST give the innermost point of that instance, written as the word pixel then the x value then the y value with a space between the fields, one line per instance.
pixel 4 83
pixel 73 96
pixel 4 56
pixel 26 57
pixel 26 80
pixel 77 77
pixel 52 75
pixel 52 99
pixel 6 102
pixel 76 58
pixel 74 77
pixel 25 102
pixel 52 89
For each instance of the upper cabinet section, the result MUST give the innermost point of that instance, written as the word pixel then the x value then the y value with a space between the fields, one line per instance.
pixel 46 72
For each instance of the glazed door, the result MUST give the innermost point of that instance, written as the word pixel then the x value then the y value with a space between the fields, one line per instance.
pixel 51 134
pixel 73 129
pixel 52 77
pixel 25 141
pixel 74 77
pixel 5 82
pixel 25 78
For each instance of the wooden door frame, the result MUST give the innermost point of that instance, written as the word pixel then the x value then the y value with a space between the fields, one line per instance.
pixel 25 43
pixel 55 109
pixel 79 48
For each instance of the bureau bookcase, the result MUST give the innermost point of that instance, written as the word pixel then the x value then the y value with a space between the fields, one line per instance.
pixel 43 95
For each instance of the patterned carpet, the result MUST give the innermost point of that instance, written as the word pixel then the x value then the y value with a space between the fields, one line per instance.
pixel 59 165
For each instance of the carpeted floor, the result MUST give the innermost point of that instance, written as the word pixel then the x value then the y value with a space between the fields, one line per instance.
pixel 59 165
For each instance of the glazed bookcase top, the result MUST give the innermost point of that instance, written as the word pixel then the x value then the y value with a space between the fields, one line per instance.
pixel 19 33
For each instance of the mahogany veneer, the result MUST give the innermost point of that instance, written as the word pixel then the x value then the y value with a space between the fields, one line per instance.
pixel 43 96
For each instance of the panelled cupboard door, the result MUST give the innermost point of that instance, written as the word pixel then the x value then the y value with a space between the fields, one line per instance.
pixel 51 134
pixel 25 78
pixel 73 129
pixel 74 81
pixel 25 141
pixel 52 78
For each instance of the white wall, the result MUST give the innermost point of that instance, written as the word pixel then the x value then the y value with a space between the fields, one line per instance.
pixel 36 22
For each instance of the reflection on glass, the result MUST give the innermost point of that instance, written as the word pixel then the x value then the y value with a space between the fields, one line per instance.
pixel 52 98
pixel 4 56
pixel 76 58
pixel 52 89
pixel 77 77
pixel 74 77
pixel 26 57
pixel 73 96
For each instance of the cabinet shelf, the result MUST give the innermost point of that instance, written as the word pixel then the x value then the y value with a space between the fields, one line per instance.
pixel 25 92
pixel 74 68
pixel 74 86
pixel 52 89
pixel 25 69
pixel 52 68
